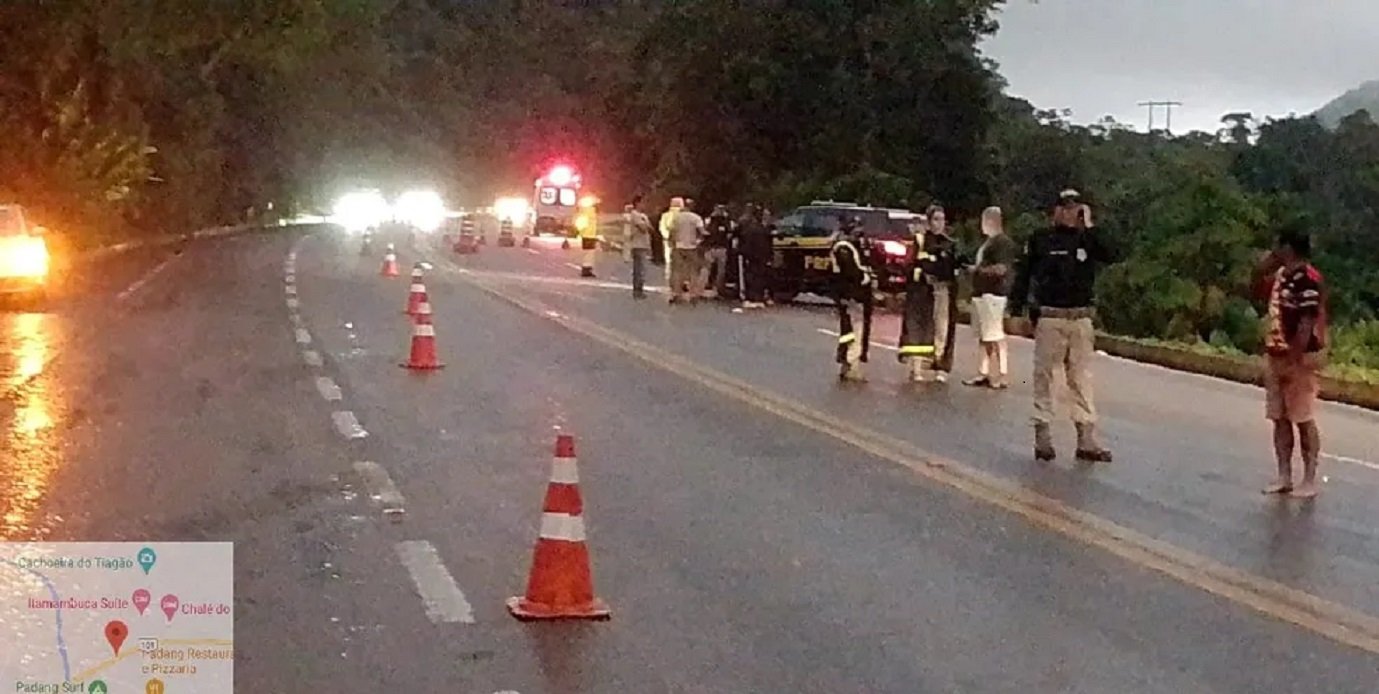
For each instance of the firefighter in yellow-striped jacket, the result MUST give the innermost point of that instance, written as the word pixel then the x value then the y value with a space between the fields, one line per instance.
pixel 853 285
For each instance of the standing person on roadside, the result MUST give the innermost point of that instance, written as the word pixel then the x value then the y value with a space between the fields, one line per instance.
pixel 992 274
pixel 1295 344
pixel 754 248
pixel 927 329
pixel 636 246
pixel 853 285
pixel 686 233
pixel 664 226
pixel 1061 265
pixel 719 232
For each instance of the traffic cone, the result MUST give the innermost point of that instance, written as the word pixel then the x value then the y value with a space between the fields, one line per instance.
pixel 389 263
pixel 417 295
pixel 423 355
pixel 560 585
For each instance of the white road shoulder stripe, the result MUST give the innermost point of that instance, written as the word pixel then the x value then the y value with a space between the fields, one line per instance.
pixel 878 345
pixel 327 388
pixel 348 425
pixel 139 283
pixel 442 597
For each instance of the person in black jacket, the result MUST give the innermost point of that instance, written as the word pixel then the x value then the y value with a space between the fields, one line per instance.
pixel 754 250
pixel 853 285
pixel 1060 266
pixel 929 324
pixel 718 233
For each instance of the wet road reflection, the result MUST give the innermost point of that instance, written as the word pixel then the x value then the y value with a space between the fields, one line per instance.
pixel 30 449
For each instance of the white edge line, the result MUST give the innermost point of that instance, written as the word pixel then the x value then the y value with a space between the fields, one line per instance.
pixel 139 283
pixel 441 596
pixel 877 345
pixel 1352 461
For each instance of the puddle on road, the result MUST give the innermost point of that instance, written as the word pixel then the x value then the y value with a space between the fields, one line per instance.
pixel 29 443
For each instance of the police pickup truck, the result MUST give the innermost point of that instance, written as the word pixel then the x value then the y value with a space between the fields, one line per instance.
pixel 803 238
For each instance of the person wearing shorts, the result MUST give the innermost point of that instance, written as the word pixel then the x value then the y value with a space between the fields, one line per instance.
pixel 991 279
pixel 1295 343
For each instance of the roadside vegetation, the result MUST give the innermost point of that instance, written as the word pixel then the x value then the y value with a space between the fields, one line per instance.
pixel 143 116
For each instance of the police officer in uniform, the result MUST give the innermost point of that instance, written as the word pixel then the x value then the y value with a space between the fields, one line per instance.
pixel 853 284
pixel 1060 269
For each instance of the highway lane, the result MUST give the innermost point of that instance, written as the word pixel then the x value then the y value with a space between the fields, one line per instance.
pixel 165 400
pixel 740 551
pixel 707 529
pixel 1193 451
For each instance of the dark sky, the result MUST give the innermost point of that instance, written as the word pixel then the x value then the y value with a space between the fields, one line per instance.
pixel 1101 57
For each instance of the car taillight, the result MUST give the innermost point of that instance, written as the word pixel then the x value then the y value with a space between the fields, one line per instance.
pixel 894 248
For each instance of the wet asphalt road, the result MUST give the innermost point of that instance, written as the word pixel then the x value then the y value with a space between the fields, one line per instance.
pixel 740 551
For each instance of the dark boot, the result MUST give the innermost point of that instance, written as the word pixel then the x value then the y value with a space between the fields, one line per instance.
pixel 1088 448
pixel 1043 443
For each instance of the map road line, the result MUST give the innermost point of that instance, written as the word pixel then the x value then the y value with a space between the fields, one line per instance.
pixel 131 652
pixel 52 591
pixel 1335 621
pixel 442 597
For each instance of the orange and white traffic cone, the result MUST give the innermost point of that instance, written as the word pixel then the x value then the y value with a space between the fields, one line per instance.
pixel 423 354
pixel 560 585
pixel 389 268
pixel 417 295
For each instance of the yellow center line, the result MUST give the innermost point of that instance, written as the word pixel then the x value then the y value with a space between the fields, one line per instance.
pixel 1338 622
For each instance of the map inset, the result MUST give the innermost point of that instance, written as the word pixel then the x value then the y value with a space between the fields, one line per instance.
pixel 117 617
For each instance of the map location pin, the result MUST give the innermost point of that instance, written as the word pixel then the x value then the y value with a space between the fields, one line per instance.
pixel 115 633
pixel 147 557
pixel 154 686
pixel 169 604
pixel 141 600
pixel 97 687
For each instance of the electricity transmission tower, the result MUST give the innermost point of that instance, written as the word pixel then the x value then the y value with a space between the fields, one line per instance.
pixel 1168 107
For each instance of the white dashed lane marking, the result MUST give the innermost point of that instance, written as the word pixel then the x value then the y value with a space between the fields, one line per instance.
pixel 292 303
pixel 328 390
pixel 291 278
pixel 290 290
pixel 380 486
pixel 442 597
pixel 347 424
pixel 303 337
pixel 312 357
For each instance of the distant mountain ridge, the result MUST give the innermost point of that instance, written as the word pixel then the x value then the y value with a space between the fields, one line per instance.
pixel 1363 97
